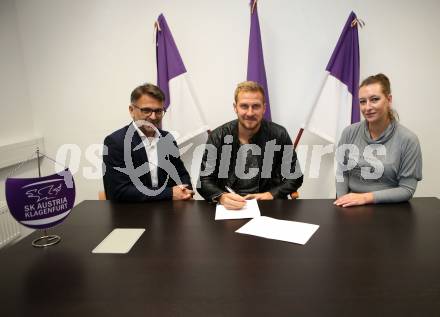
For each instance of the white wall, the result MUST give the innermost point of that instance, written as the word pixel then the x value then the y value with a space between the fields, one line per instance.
pixel 16 113
pixel 83 58
pixel 14 93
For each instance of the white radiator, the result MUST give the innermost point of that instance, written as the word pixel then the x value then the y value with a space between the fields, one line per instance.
pixel 9 228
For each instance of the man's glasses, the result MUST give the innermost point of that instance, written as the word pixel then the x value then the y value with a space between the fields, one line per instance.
pixel 148 111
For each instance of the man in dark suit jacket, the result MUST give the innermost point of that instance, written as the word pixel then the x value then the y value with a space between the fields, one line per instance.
pixel 141 161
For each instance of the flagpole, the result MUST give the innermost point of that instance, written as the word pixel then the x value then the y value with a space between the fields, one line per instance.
pixel 298 137
pixel 38 162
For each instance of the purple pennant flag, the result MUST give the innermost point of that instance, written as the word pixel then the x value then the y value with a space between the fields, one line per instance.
pixel 256 71
pixel 344 63
pixel 169 62
pixel 42 202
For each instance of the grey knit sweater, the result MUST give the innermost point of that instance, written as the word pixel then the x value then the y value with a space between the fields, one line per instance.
pixel 389 167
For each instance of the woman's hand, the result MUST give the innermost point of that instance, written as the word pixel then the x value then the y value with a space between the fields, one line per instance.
pixel 354 199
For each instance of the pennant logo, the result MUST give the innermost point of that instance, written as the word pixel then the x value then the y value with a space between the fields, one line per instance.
pixel 42 202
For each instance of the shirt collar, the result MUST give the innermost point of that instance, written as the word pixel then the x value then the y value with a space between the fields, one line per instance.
pixel 144 138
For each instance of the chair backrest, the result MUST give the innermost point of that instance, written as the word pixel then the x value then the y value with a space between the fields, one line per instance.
pixel 101 195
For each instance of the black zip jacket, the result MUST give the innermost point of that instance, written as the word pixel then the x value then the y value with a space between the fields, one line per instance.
pixel 271 179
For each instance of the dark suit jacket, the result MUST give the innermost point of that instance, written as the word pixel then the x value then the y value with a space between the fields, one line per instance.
pixel 118 184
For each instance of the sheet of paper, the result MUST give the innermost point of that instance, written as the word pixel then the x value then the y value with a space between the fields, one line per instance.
pixel 119 241
pixel 250 210
pixel 284 230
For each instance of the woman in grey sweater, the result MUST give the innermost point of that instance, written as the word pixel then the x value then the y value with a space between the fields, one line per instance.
pixel 379 160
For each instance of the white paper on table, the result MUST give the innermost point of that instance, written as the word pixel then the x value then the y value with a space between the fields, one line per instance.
pixel 250 210
pixel 119 241
pixel 284 230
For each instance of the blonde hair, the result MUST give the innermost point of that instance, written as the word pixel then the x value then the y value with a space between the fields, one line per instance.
pixel 385 84
pixel 248 86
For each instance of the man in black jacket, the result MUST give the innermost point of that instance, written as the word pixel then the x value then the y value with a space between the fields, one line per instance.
pixel 141 161
pixel 249 158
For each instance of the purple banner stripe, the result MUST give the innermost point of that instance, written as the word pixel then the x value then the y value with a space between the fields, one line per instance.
pixel 256 70
pixel 344 63
pixel 169 62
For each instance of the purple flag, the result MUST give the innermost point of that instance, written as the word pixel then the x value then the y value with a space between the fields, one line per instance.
pixel 169 62
pixel 337 102
pixel 344 63
pixel 184 118
pixel 256 71
pixel 41 202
